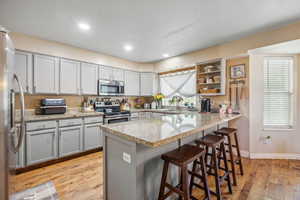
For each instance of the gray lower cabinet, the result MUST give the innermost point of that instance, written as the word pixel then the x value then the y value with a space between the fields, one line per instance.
pixel 70 140
pixel 48 140
pixel 92 136
pixel 41 145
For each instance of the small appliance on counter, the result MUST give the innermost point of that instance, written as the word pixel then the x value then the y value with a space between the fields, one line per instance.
pixel 53 106
pixel 205 105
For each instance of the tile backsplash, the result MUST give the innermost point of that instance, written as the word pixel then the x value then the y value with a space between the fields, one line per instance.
pixel 33 101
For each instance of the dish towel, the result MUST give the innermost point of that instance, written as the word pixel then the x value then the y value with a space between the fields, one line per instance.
pixel 45 191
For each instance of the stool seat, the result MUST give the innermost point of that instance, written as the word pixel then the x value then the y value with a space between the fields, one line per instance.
pixel 226 131
pixel 183 155
pixel 210 140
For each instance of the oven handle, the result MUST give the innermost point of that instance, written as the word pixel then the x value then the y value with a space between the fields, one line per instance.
pixel 105 120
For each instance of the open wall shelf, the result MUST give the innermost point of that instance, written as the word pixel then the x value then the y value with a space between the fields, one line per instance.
pixel 211 77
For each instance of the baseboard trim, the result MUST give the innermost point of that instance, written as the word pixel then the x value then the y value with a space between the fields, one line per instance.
pixel 287 156
pixel 245 154
pixel 51 162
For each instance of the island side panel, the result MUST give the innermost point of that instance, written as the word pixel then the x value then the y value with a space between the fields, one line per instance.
pixel 150 159
pixel 119 175
pixel 140 179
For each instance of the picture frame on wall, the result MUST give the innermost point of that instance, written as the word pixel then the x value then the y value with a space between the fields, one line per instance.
pixel 237 71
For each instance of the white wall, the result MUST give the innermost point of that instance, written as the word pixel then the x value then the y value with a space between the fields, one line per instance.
pixel 233 48
pixel 285 143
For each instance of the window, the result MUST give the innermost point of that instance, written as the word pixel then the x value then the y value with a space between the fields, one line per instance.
pixel 187 101
pixel 278 92
pixel 181 84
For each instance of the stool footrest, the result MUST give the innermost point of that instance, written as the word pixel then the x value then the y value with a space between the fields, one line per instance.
pixel 234 146
pixel 174 189
pixel 201 187
pixel 198 186
pixel 195 174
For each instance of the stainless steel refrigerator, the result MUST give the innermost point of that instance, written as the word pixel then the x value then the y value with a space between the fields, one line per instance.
pixel 10 136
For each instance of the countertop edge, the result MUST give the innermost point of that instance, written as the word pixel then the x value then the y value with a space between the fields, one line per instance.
pixel 36 118
pixel 170 139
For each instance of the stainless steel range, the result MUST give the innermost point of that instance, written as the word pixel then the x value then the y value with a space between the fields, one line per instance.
pixel 112 112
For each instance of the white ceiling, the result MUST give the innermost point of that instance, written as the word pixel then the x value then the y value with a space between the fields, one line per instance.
pixel 153 27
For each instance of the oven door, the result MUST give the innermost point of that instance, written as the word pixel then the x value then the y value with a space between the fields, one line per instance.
pixel 116 120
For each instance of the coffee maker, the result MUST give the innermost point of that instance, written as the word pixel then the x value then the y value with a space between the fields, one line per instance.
pixel 205 105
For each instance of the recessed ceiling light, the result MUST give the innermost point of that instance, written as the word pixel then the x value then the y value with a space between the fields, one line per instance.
pixel 165 55
pixel 128 47
pixel 84 26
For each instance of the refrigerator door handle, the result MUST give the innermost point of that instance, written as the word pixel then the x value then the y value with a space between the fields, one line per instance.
pixel 20 135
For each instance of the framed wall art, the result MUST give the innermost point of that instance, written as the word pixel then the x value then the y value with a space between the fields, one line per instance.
pixel 237 71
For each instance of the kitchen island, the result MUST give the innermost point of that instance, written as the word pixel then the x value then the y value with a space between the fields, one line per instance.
pixel 132 151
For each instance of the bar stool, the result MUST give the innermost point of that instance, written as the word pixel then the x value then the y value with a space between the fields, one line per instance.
pixel 228 133
pixel 181 157
pixel 212 142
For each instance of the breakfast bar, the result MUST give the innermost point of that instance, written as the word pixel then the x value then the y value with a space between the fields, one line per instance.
pixel 132 151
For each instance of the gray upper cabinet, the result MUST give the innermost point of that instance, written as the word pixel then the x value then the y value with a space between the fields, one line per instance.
pixel 69 77
pixel 23 69
pixel 70 140
pixel 89 78
pixel 147 83
pixel 41 146
pixel 118 74
pixel 105 72
pixel 111 73
pixel 46 74
pixel 92 136
pixel 132 83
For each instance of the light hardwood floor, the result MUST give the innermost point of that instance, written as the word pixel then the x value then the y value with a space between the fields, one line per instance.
pixel 82 179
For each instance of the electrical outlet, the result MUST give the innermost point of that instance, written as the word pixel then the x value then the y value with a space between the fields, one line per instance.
pixel 267 140
pixel 127 157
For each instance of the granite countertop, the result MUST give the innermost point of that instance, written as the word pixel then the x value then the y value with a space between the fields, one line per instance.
pixel 166 129
pixel 31 116
pixel 162 110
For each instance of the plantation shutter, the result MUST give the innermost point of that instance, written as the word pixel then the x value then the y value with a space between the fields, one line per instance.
pixel 278 92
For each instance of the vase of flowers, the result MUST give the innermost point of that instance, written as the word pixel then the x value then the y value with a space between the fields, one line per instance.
pixel 158 100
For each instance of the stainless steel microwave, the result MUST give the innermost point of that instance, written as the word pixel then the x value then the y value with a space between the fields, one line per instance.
pixel 107 87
